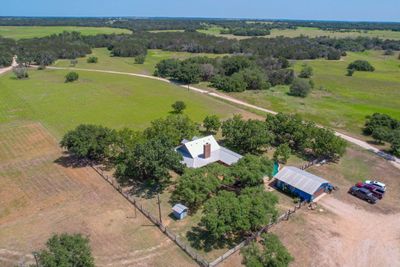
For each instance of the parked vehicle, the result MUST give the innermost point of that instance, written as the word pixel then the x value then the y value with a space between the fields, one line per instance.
pixel 376 183
pixel 363 193
pixel 377 191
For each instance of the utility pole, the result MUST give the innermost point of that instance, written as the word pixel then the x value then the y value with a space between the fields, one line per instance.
pixel 159 206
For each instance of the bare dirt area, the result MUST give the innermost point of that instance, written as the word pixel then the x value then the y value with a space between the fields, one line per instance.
pixel 40 195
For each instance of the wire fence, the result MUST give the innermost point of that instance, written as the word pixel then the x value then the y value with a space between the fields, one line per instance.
pixel 175 238
pixel 284 217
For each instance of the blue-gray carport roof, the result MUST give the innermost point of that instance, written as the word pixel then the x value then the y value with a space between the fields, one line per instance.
pixel 305 181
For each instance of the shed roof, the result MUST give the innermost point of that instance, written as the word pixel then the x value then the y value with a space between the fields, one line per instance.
pixel 179 208
pixel 300 179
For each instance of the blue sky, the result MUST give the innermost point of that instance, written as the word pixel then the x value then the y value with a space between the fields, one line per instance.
pixel 356 10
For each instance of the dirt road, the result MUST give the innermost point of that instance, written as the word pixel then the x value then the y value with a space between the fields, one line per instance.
pixel 356 237
pixel 350 139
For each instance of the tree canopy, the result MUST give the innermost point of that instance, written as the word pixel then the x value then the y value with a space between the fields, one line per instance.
pixel 243 136
pixel 66 250
pixel 88 141
pixel 271 253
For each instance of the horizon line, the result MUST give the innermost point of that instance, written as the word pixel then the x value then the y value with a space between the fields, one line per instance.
pixel 200 18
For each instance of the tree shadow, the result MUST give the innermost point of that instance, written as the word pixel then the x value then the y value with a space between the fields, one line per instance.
pixel 69 161
pixel 147 190
pixel 200 239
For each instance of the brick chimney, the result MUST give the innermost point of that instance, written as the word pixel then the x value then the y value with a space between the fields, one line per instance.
pixel 207 150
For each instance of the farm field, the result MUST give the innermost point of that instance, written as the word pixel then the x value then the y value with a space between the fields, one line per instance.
pixel 111 100
pixel 339 101
pixel 26 32
pixel 127 64
pixel 42 192
pixel 311 32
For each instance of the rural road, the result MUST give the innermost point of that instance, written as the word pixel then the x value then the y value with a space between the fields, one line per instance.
pixel 358 142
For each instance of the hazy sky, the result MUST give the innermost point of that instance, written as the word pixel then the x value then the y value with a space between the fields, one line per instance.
pixel 358 10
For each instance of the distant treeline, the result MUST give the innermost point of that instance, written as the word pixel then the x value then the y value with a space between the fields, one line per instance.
pixel 343 25
pixel 70 45
pixel 145 24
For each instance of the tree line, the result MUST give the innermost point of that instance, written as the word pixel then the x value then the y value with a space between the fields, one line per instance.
pixel 145 24
pixel 383 128
pixel 44 51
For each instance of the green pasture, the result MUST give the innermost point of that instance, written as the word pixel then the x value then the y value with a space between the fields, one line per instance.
pixel 108 99
pixel 339 101
pixel 311 32
pixel 26 32
pixel 127 64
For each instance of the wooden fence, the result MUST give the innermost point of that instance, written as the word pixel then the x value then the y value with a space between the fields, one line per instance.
pixel 186 248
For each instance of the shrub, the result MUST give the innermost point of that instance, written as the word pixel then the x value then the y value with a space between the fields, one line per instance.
pixel 306 72
pixel 361 65
pixel 140 59
pixel 178 106
pixel 21 72
pixel 71 77
pixel 300 88
pixel 92 60
pixel 388 52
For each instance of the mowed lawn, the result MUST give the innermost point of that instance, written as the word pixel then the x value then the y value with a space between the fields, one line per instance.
pixel 311 32
pixel 22 32
pixel 127 64
pixel 107 99
pixel 339 101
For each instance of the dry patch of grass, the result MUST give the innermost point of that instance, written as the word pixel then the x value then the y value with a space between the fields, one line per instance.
pixel 41 194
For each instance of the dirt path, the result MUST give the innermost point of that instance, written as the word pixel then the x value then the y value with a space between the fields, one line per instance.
pixel 4 70
pixel 348 138
pixel 356 237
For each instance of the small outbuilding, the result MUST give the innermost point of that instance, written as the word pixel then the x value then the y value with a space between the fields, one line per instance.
pixel 180 211
pixel 300 183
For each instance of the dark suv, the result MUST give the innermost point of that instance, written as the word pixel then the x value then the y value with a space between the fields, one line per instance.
pixel 363 193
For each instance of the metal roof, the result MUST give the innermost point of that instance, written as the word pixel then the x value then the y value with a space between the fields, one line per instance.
pixel 221 154
pixel 196 147
pixel 179 208
pixel 300 179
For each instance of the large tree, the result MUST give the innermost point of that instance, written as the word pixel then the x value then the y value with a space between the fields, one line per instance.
pixel 327 145
pixel 150 161
pixel 212 124
pixel 195 186
pixel 174 127
pixel 228 215
pixel 89 141
pixel 270 253
pixel 250 170
pixel 249 136
pixel 66 250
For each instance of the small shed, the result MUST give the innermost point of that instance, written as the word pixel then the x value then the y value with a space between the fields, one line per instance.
pixel 300 183
pixel 180 211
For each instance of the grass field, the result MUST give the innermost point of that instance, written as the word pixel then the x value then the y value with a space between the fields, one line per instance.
pixel 127 64
pixel 339 101
pixel 107 99
pixel 22 32
pixel 41 194
pixel 311 32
